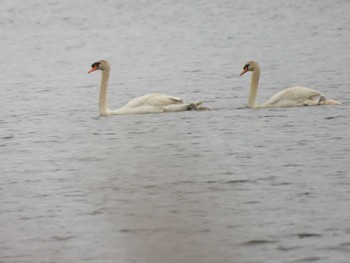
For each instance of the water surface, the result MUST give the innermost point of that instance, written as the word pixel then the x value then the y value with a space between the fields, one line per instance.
pixel 228 185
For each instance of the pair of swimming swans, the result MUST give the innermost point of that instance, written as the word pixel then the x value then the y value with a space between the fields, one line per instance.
pixel 157 103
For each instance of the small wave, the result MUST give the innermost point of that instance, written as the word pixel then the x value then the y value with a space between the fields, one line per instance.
pixel 341 247
pixel 305 235
pixel 62 238
pixel 8 137
pixel 184 182
pixel 141 230
pixel 256 242
pixel 310 259
pixel 333 117
pixel 291 165
pixel 150 186
pixel 237 181
pixel 282 248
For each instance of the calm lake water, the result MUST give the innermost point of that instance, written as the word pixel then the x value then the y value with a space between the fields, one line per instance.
pixel 228 185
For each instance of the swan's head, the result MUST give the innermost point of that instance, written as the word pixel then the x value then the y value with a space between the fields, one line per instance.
pixel 322 100
pixel 99 65
pixel 249 66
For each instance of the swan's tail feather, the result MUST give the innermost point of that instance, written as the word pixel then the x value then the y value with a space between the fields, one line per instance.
pixel 197 103
pixel 203 108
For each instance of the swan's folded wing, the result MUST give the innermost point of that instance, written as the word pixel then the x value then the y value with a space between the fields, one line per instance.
pixel 292 97
pixel 163 100
pixel 156 100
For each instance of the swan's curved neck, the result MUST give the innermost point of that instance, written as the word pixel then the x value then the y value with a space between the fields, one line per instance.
pixel 103 103
pixel 254 83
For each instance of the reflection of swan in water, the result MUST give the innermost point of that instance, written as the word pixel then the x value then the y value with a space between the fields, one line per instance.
pixel 151 103
pixel 291 97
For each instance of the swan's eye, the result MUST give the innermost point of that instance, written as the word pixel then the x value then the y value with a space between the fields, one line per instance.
pixel 96 65
pixel 246 66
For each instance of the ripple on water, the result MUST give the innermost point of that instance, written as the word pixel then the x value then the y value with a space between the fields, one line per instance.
pixel 189 186
pixel 62 238
pixel 308 235
pixel 308 259
pixel 257 242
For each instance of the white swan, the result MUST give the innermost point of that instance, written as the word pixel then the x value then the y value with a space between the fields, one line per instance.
pixel 291 97
pixel 151 103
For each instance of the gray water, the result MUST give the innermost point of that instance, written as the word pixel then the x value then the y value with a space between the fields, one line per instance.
pixel 228 185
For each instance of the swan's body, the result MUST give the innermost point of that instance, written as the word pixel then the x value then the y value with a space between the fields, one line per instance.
pixel 151 103
pixel 291 97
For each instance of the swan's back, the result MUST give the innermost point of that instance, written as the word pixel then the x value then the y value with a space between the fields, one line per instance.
pixel 154 100
pixel 295 96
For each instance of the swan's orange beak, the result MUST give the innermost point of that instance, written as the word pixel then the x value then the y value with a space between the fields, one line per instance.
pixel 245 69
pixel 92 69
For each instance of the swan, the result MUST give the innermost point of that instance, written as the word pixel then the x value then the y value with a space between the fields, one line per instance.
pixel 151 103
pixel 290 97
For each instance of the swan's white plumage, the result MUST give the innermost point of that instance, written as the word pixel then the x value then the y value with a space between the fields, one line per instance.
pixel 156 100
pixel 290 97
pixel 151 103
pixel 295 96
